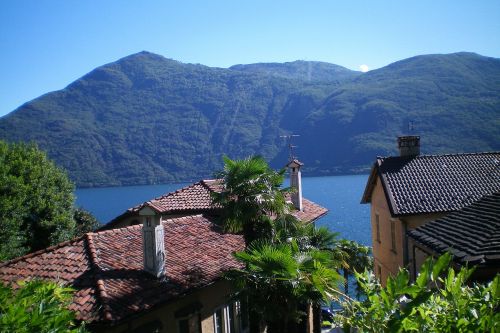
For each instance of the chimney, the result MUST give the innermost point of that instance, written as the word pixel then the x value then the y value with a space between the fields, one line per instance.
pixel 296 183
pixel 153 248
pixel 409 145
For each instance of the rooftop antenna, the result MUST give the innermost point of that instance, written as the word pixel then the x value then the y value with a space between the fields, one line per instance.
pixel 289 137
pixel 411 128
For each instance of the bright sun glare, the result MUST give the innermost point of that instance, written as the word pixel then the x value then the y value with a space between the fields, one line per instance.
pixel 364 68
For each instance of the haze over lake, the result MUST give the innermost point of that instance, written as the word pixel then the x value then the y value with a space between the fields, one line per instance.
pixel 340 194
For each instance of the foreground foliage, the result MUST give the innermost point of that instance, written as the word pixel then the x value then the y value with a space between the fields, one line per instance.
pixel 36 202
pixel 36 306
pixel 439 301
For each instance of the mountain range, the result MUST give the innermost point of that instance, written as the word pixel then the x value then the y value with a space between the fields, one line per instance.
pixel 147 119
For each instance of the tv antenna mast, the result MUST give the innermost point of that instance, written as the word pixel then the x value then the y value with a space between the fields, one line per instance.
pixel 289 138
pixel 411 128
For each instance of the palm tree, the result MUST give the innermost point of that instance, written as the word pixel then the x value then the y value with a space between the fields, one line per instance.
pixel 288 265
pixel 356 257
pixel 251 197
pixel 280 279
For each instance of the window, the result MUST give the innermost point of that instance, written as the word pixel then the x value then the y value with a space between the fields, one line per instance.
pixel 379 271
pixel 231 318
pixel 377 227
pixel 189 324
pixel 219 320
pixel 393 236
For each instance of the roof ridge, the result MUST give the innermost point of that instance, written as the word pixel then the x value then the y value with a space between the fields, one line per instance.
pixel 182 218
pixel 115 230
pixel 441 155
pixel 165 195
pixel 204 183
pixel 44 250
pixel 99 282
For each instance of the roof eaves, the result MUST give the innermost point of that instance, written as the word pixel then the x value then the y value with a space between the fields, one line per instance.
pixel 317 217
pixel 370 184
pixel 159 304
pixel 36 253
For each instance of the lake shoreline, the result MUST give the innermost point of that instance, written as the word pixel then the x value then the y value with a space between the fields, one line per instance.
pixel 340 194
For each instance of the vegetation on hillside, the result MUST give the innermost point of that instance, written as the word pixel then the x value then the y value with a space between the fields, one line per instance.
pixel 307 71
pixel 146 119
pixel 36 202
pixel 452 102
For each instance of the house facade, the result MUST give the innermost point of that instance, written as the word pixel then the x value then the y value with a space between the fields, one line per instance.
pixel 410 190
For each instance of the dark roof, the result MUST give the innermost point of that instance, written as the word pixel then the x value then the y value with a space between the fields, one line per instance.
pixel 196 199
pixel 434 183
pixel 105 267
pixel 471 234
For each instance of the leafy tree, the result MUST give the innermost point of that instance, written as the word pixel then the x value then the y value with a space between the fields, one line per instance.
pixel 36 201
pixel 251 197
pixel 36 306
pixel 433 303
pixel 85 221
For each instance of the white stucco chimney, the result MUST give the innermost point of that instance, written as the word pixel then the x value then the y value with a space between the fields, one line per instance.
pixel 296 183
pixel 409 145
pixel 152 242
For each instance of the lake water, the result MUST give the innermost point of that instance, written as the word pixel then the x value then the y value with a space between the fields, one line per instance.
pixel 340 194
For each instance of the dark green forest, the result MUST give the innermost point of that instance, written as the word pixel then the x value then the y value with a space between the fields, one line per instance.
pixel 147 119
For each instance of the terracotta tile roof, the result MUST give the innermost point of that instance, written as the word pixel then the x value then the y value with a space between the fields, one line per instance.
pixel 310 211
pixel 435 183
pixel 68 263
pixel 196 199
pixel 106 267
pixel 471 234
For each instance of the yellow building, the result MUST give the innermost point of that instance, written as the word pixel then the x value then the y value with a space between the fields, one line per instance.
pixel 409 190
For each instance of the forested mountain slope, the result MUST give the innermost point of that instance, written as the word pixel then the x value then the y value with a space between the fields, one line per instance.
pixel 147 119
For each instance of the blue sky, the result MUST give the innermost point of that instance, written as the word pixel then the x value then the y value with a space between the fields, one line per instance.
pixel 45 45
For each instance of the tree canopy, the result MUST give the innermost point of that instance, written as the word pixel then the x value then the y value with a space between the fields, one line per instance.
pixel 36 202
pixel 281 280
pixel 252 195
